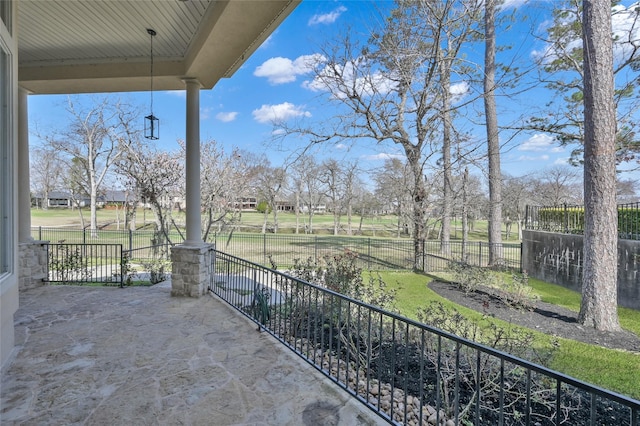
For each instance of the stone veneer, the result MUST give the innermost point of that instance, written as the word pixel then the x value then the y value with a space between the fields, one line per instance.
pixel 33 264
pixel 190 270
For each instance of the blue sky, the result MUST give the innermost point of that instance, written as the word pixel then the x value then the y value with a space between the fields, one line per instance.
pixel 237 112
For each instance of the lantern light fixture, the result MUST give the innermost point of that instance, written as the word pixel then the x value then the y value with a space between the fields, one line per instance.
pixel 151 122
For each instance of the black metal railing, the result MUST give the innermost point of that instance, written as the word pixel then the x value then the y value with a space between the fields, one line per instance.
pixel 372 253
pixel 85 263
pixel 405 371
pixel 569 219
pixel 130 240
pixel 438 256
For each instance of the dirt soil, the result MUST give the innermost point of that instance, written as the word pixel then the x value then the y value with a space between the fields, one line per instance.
pixel 544 317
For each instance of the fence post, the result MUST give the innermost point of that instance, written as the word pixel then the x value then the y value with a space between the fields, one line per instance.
pixel 316 247
pixel 479 253
pixel 122 265
pixel 39 233
pixel 130 240
pixel 521 259
pixel 369 251
pixel 264 248
pixel 566 219
pixel 84 235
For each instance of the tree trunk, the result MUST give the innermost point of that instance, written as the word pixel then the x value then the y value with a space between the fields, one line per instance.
pixel 265 219
pixel 599 285
pixel 465 216
pixel 447 194
pixel 419 199
pixel 275 218
pixel 297 212
pixel 493 142
pixel 94 212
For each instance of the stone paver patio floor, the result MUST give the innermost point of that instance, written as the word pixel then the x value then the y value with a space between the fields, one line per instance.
pixel 137 356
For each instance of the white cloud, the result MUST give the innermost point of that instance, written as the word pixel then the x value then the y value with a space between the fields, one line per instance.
pixel 383 156
pixel 347 74
pixel 177 93
pixel 226 116
pixel 458 89
pixel 327 18
pixel 268 41
pixel 341 146
pixel 561 161
pixel 205 113
pixel 626 37
pixel 508 4
pixel 540 142
pixel 543 157
pixel 280 112
pixel 283 70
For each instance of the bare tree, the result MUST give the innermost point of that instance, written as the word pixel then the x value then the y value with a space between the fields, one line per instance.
pixel 270 183
pixel 308 188
pixel 95 139
pixel 517 193
pixel 389 91
pixel 393 190
pixel 352 187
pixel 627 191
pixel 557 185
pixel 46 172
pixel 226 178
pixel 331 177
pixel 493 142
pixel 599 304
pixel 156 177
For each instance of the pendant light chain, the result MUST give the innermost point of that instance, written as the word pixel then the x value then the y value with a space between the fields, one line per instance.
pixel 151 33
pixel 152 124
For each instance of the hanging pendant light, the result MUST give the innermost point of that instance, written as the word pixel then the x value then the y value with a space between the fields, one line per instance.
pixel 151 122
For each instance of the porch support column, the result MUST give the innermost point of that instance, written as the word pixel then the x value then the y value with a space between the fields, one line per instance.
pixel 192 164
pixel 191 261
pixel 24 191
pixel 33 254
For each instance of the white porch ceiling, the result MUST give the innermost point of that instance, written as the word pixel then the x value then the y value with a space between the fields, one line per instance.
pixel 77 46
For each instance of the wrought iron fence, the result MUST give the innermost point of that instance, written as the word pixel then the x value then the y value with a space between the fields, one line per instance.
pixel 282 250
pixel 130 240
pixel 373 253
pixel 405 371
pixel 85 263
pixel 475 253
pixel 569 219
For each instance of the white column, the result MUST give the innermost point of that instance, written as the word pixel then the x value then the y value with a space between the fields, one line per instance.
pixel 24 190
pixel 192 164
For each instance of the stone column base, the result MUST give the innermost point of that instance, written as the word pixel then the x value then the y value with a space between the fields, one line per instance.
pixel 33 264
pixel 190 271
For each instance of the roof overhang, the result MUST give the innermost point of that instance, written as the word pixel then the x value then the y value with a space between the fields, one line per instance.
pixel 74 46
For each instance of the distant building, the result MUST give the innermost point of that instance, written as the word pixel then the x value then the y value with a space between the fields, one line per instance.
pixel 60 199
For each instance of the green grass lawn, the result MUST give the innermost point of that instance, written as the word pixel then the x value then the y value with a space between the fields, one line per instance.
pixel 379 226
pixel 608 368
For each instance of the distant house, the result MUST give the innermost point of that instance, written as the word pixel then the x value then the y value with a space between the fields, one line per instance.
pixel 245 203
pixel 285 206
pixel 114 198
pixel 60 199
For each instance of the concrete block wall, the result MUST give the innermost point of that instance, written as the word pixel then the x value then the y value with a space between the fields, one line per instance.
pixel 558 258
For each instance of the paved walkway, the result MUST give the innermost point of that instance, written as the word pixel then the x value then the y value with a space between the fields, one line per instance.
pixel 137 356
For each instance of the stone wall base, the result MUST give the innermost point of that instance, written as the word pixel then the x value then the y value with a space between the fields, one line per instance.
pixel 190 270
pixel 32 264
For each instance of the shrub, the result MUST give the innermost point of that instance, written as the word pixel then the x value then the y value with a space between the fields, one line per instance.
pixel 469 278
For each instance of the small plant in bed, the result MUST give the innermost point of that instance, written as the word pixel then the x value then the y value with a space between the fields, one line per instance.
pixel 515 292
